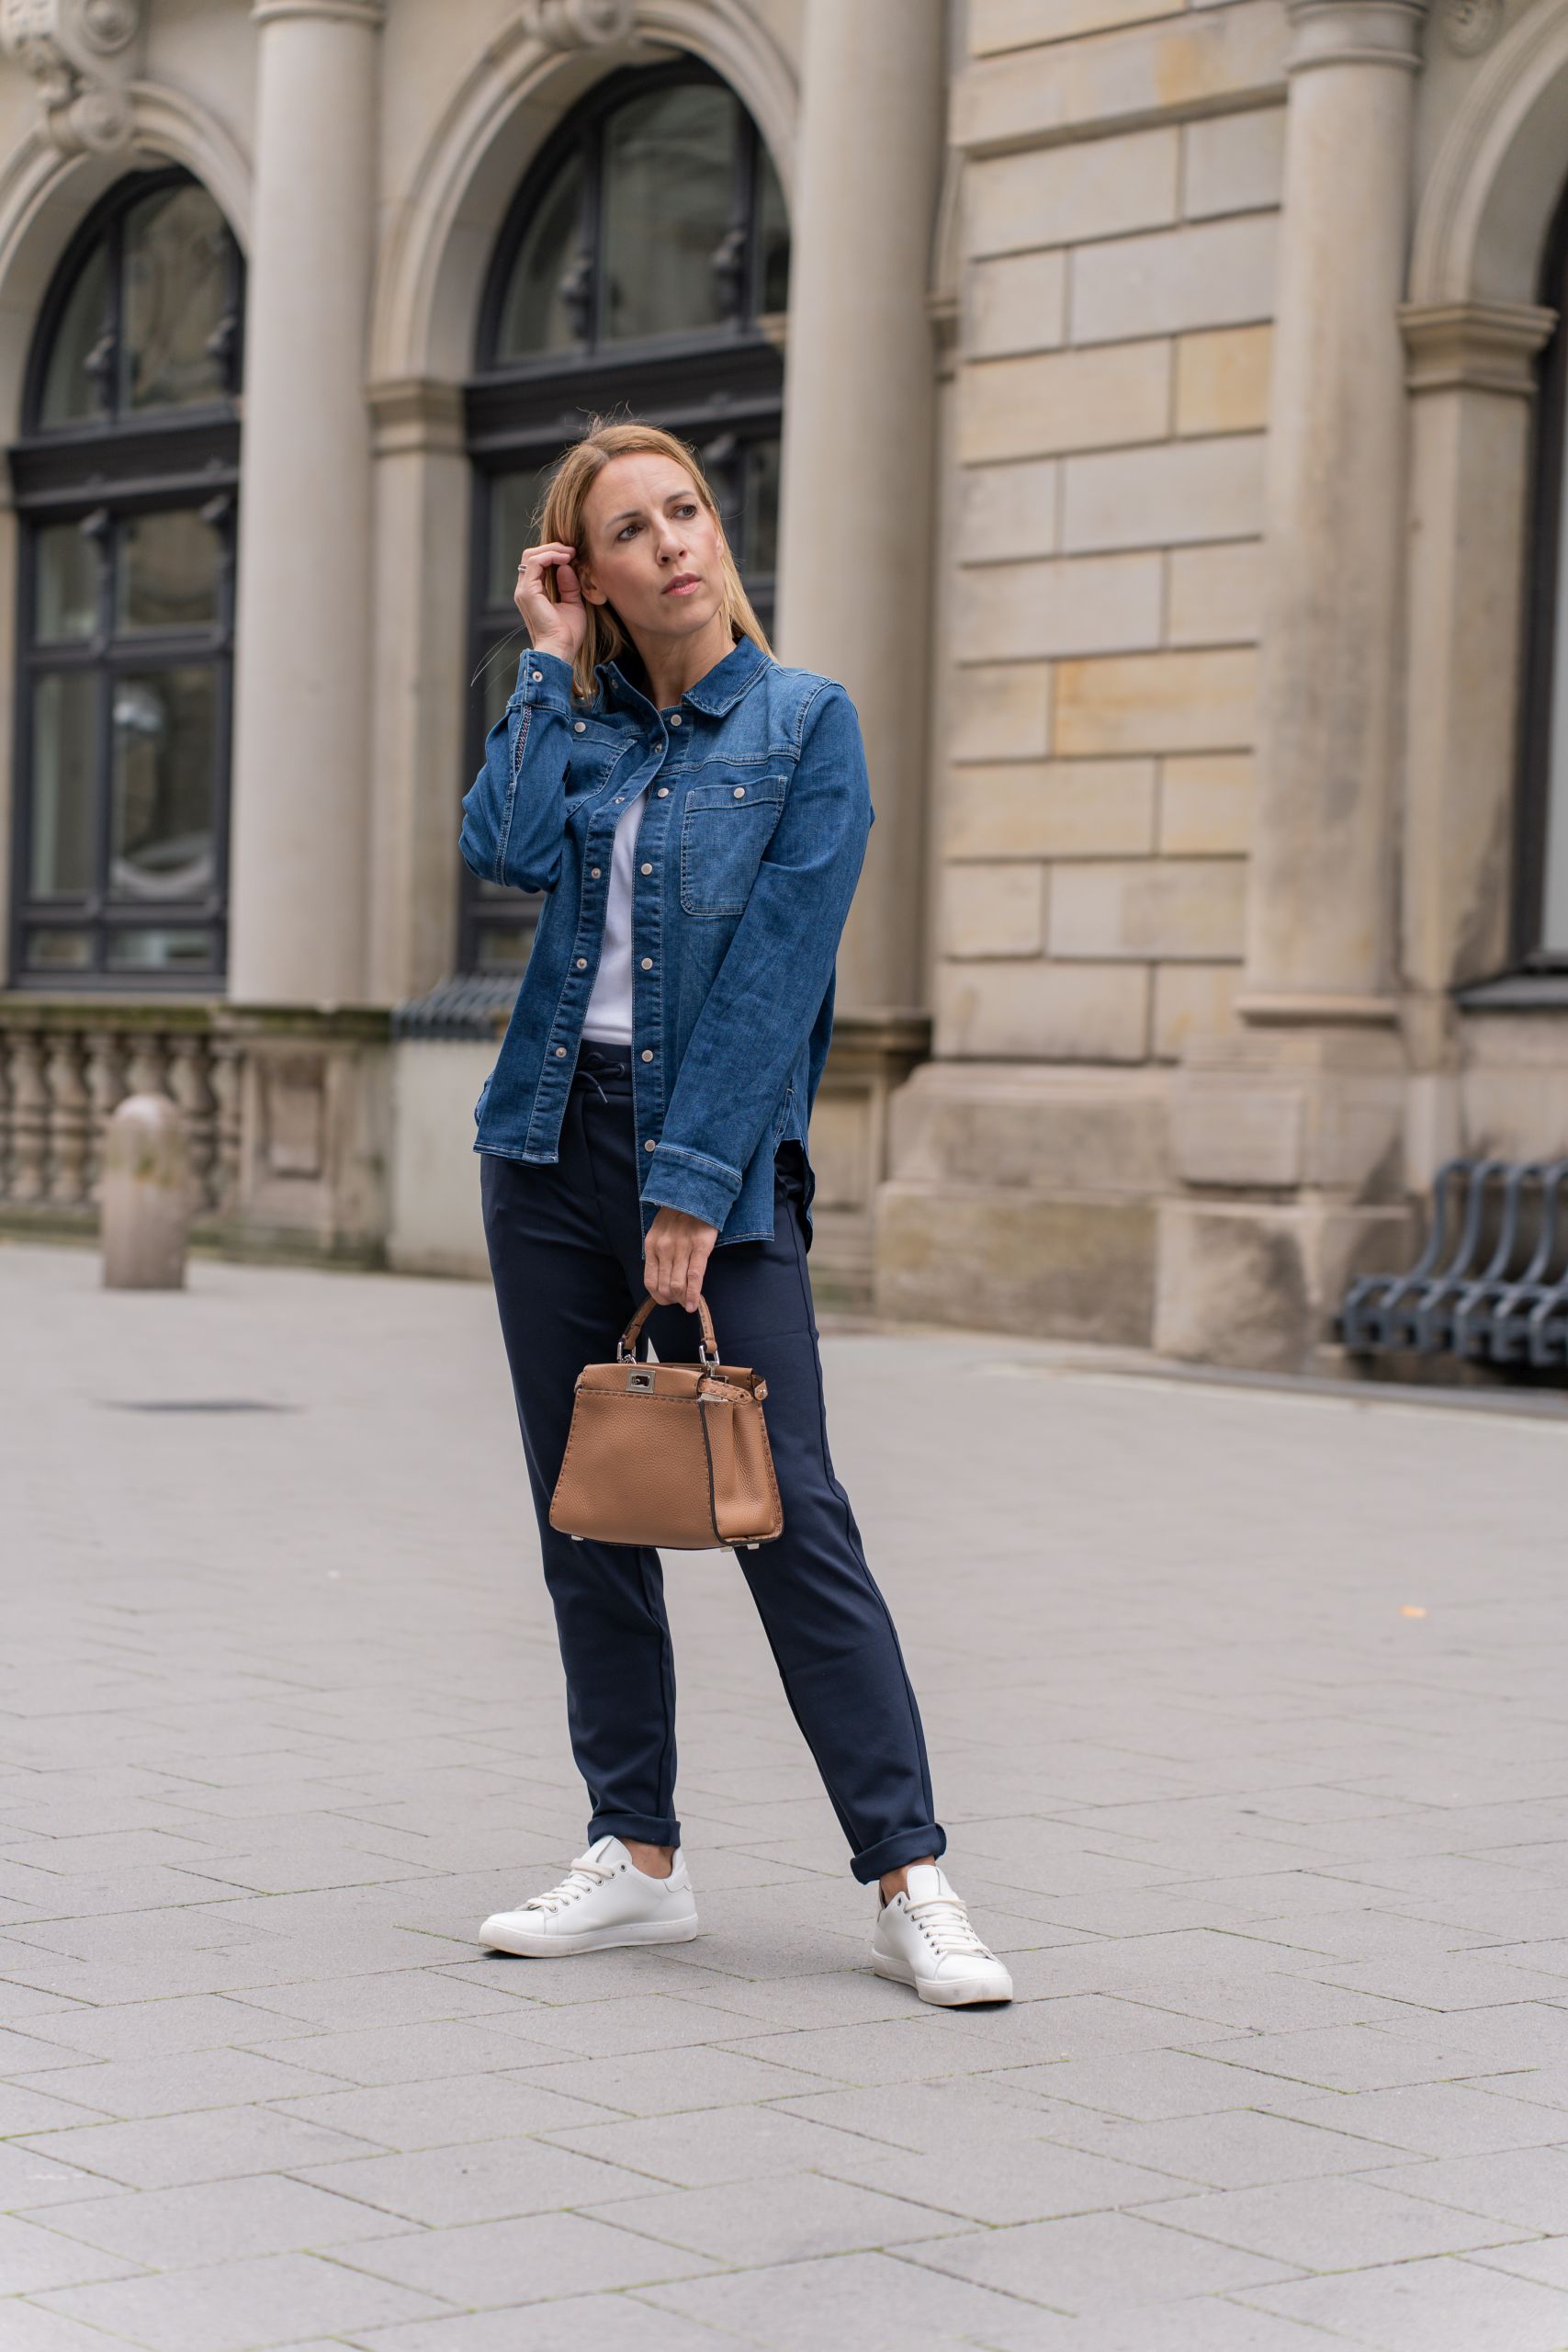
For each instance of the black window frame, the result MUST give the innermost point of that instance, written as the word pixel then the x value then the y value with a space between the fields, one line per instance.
pixel 1544 587
pixel 102 471
pixel 720 388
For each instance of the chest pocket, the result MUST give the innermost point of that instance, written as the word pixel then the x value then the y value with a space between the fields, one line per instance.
pixel 726 825
pixel 591 758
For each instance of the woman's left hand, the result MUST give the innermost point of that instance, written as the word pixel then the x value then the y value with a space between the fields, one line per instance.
pixel 675 1257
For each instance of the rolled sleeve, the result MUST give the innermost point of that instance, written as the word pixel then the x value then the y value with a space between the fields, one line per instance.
pixel 678 1179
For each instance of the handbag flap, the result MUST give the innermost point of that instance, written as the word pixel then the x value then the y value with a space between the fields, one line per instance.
pixel 668 1379
pixel 641 1379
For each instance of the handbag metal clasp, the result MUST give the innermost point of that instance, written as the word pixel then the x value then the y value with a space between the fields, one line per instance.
pixel 640 1380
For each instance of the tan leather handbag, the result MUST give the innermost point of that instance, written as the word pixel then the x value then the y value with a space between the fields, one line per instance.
pixel 671 1455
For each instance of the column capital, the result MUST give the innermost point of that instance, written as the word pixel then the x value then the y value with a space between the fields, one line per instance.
pixel 369 13
pixel 1475 346
pixel 1355 32
pixel 414 414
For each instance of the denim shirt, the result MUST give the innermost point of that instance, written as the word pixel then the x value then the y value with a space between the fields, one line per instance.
pixel 756 809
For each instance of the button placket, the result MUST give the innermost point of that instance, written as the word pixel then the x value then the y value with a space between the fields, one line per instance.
pixel 648 928
pixel 555 1083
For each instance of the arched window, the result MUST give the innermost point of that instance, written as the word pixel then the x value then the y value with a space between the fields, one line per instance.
pixel 125 481
pixel 643 271
pixel 1540 866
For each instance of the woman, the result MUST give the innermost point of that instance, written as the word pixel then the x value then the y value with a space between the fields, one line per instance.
pixel 696 816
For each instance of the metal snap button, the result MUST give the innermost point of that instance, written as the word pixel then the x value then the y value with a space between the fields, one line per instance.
pixel 741 792
pixel 648 869
pixel 664 792
pixel 648 1145
pixel 593 874
pixel 560 1053
pixel 582 963
pixel 647 963
pixel 648 1053
pixel 674 718
pixel 536 676
pixel 580 726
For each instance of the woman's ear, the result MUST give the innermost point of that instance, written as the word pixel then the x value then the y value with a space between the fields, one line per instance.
pixel 592 593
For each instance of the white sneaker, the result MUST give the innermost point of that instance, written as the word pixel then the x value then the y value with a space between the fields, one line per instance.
pixel 602 1901
pixel 923 1937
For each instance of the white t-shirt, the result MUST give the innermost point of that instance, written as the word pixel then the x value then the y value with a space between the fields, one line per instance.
pixel 609 1015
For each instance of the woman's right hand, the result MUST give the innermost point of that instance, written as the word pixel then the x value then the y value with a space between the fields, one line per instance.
pixel 553 628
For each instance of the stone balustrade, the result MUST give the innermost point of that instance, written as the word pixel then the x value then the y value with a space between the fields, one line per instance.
pixel 283 1111
pixel 66 1066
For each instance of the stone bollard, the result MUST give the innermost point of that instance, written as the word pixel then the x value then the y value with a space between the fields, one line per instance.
pixel 146 1196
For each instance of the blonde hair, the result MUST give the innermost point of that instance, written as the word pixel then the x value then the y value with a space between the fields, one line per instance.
pixel 561 518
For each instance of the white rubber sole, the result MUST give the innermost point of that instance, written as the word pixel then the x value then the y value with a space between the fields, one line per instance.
pixel 525 1945
pixel 945 1992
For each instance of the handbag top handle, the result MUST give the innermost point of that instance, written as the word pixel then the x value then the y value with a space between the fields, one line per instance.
pixel 626 1347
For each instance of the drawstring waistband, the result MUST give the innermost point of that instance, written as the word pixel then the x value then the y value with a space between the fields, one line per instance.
pixel 607 1069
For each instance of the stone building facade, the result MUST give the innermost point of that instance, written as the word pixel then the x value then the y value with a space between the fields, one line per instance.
pixel 1153 413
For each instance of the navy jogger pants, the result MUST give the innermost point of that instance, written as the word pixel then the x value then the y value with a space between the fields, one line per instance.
pixel 566 1250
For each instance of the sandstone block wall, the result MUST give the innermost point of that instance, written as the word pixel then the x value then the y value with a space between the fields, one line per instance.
pixel 1118 240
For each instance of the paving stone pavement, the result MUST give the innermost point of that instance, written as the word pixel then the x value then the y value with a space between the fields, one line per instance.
pixel 1247 1717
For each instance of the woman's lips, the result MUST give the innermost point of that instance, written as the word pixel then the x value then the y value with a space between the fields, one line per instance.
pixel 685 585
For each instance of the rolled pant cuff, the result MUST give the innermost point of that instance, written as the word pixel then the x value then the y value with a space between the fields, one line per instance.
pixel 892 1853
pixel 647 1829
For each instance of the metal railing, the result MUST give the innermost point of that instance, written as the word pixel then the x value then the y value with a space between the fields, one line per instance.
pixel 1491 1284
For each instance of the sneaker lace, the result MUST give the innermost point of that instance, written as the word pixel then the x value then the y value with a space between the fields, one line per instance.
pixel 946 1922
pixel 581 1879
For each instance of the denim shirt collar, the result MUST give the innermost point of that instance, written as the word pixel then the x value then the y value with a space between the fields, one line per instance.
pixel 716 692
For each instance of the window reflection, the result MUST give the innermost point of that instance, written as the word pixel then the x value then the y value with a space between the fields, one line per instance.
pixel 515 501
pixel 543 309
pixel 760 507
pixel 167 572
pixel 73 386
pixel 58 951
pixel 176 278
pixel 64 734
pixel 161 804
pixel 773 237
pixel 669 206
pixel 67 579
pixel 158 951
pixel 506 947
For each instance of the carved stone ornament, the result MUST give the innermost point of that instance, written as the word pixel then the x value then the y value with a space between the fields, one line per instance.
pixel 77 52
pixel 1470 26
pixel 579 23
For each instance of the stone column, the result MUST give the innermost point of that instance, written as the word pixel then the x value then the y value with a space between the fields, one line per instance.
pixel 422 493
pixel 302 717
pixel 1472 381
pixel 1320 928
pixel 1289 1136
pixel 855 553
